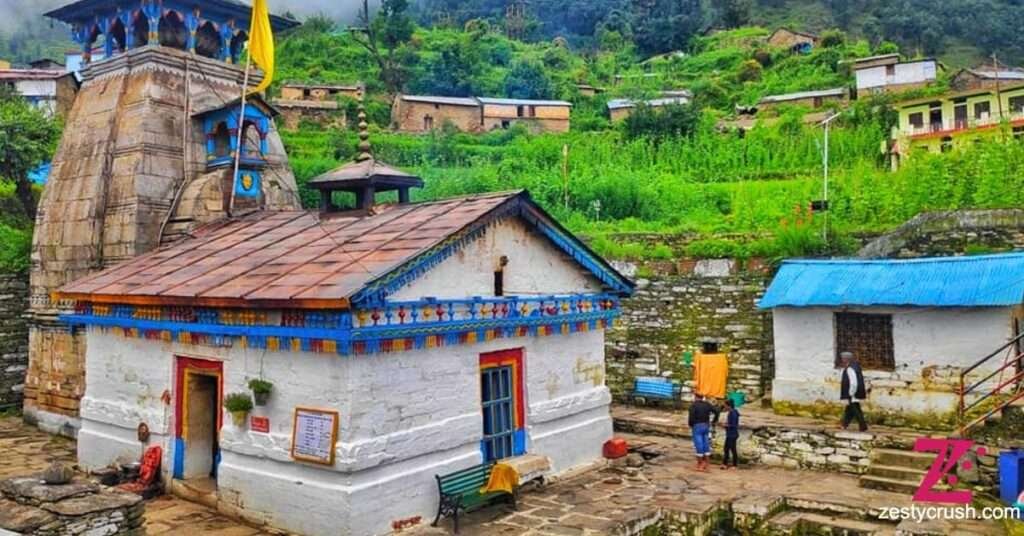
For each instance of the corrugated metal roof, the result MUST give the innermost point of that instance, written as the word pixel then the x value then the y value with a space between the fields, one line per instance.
pixel 526 102
pixel 456 101
pixel 834 92
pixel 977 281
pixel 616 104
pixel 31 74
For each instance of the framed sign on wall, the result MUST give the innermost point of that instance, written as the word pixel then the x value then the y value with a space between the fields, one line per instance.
pixel 314 433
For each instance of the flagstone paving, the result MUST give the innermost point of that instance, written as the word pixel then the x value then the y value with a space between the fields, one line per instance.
pixel 617 499
pixel 25 450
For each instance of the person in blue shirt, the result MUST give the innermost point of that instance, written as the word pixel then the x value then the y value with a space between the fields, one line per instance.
pixel 732 436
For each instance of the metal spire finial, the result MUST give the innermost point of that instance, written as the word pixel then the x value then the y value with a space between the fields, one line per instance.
pixel 365 150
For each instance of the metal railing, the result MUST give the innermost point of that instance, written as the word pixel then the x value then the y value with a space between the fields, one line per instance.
pixel 1011 386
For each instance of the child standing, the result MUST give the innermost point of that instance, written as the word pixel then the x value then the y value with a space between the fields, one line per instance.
pixel 732 435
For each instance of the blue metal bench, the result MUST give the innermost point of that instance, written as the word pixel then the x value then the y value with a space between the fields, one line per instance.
pixel 647 388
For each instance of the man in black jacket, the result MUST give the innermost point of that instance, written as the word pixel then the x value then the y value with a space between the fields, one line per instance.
pixel 852 390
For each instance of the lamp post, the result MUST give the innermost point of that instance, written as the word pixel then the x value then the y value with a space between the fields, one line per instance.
pixel 824 164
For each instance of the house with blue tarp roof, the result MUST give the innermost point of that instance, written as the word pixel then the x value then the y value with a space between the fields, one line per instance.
pixel 914 325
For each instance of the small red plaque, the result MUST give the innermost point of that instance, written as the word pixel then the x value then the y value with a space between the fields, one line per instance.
pixel 259 424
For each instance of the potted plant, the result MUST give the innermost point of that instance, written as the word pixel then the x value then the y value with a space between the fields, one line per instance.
pixel 260 390
pixel 239 405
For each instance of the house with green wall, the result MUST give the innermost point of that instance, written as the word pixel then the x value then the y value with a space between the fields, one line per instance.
pixel 943 123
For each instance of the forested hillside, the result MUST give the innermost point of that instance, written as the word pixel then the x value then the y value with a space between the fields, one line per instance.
pixel 960 30
pixel 746 192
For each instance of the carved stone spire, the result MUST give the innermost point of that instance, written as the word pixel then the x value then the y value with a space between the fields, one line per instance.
pixel 365 150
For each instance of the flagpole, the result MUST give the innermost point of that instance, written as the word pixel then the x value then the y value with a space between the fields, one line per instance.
pixel 241 131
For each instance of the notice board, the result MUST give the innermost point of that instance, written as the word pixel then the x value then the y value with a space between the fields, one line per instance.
pixel 314 433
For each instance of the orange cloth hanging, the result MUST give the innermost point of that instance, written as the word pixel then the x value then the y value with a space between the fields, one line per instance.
pixel 504 478
pixel 710 372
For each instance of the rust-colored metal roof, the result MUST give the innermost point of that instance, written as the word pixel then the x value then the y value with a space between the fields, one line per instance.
pixel 291 259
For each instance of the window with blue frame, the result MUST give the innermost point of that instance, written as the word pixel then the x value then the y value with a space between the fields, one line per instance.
pixel 499 425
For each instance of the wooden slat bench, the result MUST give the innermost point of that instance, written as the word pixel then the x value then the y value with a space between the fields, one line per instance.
pixel 655 388
pixel 460 492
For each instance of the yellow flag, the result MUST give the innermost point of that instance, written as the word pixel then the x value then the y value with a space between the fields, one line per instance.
pixel 261 43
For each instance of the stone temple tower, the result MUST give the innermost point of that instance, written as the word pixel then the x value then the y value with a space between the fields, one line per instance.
pixel 147 154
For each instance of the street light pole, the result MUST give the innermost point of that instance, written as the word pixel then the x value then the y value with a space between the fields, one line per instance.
pixel 824 157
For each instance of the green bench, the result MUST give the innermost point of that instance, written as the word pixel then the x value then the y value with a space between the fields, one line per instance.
pixel 460 492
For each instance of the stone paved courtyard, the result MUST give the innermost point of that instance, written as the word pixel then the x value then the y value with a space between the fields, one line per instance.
pixel 617 499
pixel 25 450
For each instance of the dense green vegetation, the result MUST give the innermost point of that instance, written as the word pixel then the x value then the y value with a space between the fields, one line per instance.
pixel 963 31
pixel 27 138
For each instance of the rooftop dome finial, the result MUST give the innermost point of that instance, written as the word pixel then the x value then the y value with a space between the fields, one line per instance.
pixel 365 150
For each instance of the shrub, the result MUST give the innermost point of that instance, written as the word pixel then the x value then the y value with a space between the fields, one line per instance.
pixel 833 38
pixel 260 386
pixel 238 402
pixel 750 71
pixel 15 246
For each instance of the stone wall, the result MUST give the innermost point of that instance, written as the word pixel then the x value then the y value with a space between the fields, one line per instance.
pixel 951 233
pixel 13 338
pixel 80 507
pixel 678 304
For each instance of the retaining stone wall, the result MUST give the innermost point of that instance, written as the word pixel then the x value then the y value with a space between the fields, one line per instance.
pixel 957 232
pixel 679 303
pixel 13 337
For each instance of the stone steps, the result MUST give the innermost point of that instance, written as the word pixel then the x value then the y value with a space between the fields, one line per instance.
pixel 796 522
pixel 902 458
pixel 897 472
pixel 888 484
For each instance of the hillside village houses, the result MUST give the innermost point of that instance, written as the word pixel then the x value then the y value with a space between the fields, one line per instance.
pixel 814 99
pixel 314 102
pixel 887 74
pixel 942 123
pixel 793 40
pixel 423 113
pixel 52 90
pixel 620 109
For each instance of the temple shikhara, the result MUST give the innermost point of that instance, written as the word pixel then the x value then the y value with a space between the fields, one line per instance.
pixel 146 156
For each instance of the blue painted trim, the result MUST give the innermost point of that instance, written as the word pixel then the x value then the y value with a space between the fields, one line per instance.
pixel 209 329
pixel 459 326
pixel 519 442
pixel 179 458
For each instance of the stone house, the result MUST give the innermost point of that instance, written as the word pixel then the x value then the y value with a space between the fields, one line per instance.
pixel 914 324
pixel 538 115
pixel 887 74
pixel 985 78
pixel 620 109
pixel 145 157
pixel 423 113
pixel 50 90
pixel 314 102
pixel 382 327
pixel 793 40
pixel 813 99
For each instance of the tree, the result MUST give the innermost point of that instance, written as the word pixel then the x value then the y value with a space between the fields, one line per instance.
pixel 672 121
pixel 527 80
pixel 667 25
pixel 734 13
pixel 28 137
pixel 384 37
pixel 452 72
